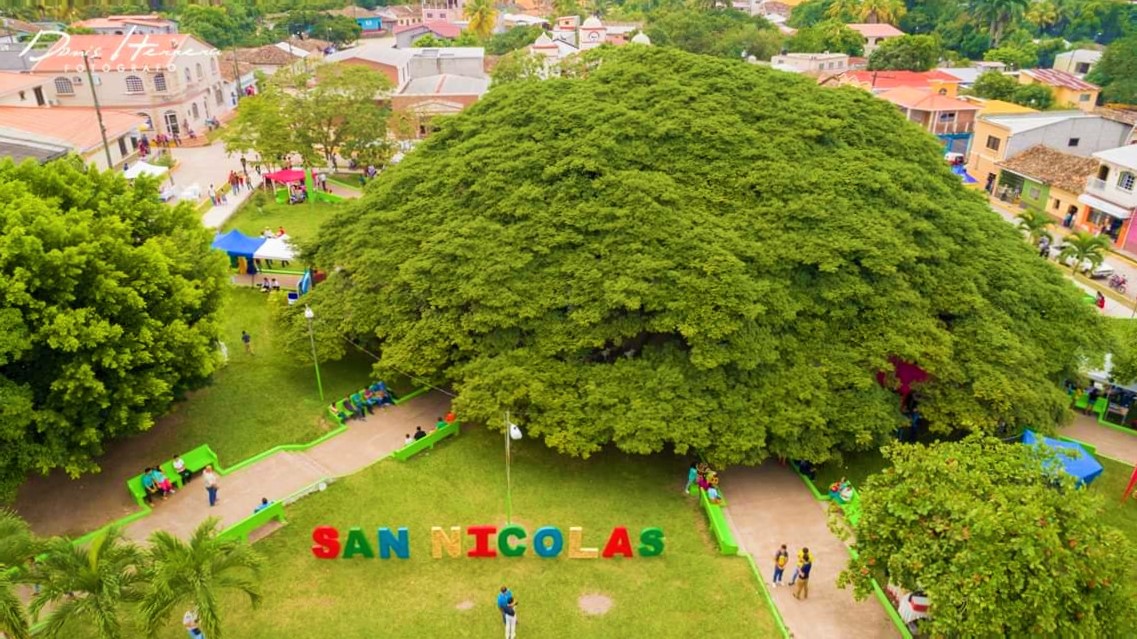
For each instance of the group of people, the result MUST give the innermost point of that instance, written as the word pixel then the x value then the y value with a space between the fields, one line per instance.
pixel 154 481
pixel 800 578
pixel 841 491
pixel 355 405
pixel 701 475
pixel 269 286
pixel 1092 393
pixel 419 433
pixel 237 181
pixel 216 197
pixel 297 194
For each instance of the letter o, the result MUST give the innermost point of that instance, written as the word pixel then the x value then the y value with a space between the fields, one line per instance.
pixel 556 538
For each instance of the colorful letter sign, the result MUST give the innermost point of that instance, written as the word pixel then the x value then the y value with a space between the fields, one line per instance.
pixel 485 542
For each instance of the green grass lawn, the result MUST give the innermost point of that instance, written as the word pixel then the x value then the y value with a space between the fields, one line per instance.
pixel 689 591
pixel 300 221
pixel 1110 486
pixel 259 401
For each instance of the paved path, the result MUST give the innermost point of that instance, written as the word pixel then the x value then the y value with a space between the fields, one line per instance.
pixel 769 506
pixel 282 474
pixel 1109 442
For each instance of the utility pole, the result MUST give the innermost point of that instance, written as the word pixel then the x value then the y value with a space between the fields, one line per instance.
pixel 98 111
pixel 237 72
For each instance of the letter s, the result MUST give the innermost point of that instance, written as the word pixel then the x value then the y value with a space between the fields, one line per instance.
pixel 651 542
pixel 327 540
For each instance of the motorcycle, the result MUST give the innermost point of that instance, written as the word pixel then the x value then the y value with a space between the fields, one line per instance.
pixel 1118 283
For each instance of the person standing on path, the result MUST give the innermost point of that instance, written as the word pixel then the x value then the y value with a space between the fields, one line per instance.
pixel 802 589
pixel 692 477
pixel 503 599
pixel 210 484
pixel 248 341
pixel 801 557
pixel 781 558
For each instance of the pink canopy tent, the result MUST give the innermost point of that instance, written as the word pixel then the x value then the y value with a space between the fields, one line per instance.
pixel 906 373
pixel 284 176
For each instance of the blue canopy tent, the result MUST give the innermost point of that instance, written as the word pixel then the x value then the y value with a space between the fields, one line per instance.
pixel 1081 465
pixel 961 171
pixel 240 248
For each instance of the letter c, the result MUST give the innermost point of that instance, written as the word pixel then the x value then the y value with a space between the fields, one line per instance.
pixel 503 545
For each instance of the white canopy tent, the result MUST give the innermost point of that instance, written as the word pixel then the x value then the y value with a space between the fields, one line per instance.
pixel 275 248
pixel 142 168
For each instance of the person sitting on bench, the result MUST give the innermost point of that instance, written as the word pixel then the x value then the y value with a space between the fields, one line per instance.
pixel 356 411
pixel 275 284
pixel 149 486
pixel 266 287
pixel 181 470
pixel 340 415
pixel 419 432
pixel 162 481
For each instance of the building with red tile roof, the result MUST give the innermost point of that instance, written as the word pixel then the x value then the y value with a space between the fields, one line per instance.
pixel 950 119
pixel 1069 90
pixel 73 128
pixel 878 81
pixel 121 25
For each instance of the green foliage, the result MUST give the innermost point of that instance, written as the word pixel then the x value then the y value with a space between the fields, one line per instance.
pixel 91 585
pixel 871 11
pixel 332 110
pixel 1123 354
pixel 110 312
pixel 829 35
pixel 16 548
pixel 812 12
pixel 998 14
pixel 906 53
pixel 1035 96
pixel 191 575
pixel 482 15
pixel 1085 249
pixel 222 27
pixel 1015 57
pixel 995 85
pixel 518 65
pixel 512 40
pixel 724 33
pixel 431 41
pixel 1116 72
pixel 659 268
pixel 337 29
pixel 1036 224
pixel 971 522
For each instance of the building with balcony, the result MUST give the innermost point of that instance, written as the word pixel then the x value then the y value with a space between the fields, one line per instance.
pixel 1110 198
pixel 173 82
pixel 811 63
pixel 1045 179
pixel 949 119
pixel 875 34
pixel 1002 136
pixel 1078 62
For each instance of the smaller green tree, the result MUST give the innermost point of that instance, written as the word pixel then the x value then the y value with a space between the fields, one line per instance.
pixel 1084 250
pixel 482 15
pixel 828 35
pixel 1014 56
pixel 971 522
pixel 1035 96
pixel 1116 72
pixel 995 85
pixel 193 574
pixel 89 585
pixel 1036 224
pixel 17 547
pixel 431 41
pixel 906 53
pixel 518 65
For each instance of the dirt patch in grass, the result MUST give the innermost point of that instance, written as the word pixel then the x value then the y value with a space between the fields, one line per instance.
pixel 595 604
pixel 465 605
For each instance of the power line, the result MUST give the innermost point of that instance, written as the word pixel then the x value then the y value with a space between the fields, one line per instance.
pixel 407 375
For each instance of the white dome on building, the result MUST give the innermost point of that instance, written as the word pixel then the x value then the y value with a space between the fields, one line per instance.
pixel 592 23
pixel 641 38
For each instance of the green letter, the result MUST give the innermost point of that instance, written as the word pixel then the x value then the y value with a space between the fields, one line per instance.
pixel 651 542
pixel 503 541
pixel 357 545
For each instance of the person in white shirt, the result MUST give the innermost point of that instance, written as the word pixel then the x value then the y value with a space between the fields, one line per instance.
pixel 408 440
pixel 210 484
pixel 189 620
pixel 181 470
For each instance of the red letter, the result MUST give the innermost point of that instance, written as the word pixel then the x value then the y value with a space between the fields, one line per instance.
pixel 618 543
pixel 328 540
pixel 481 536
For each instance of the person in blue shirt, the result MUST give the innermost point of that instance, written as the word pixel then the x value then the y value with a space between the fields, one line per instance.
pixel 148 484
pixel 503 598
pixel 264 504
pixel 692 477
pixel 802 589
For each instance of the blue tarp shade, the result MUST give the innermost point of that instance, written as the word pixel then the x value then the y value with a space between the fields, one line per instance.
pixel 1081 465
pixel 238 245
pixel 961 171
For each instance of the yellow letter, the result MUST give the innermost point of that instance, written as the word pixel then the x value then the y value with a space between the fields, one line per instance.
pixel 439 540
pixel 576 538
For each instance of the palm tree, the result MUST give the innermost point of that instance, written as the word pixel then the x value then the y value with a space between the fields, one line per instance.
pixel 88 584
pixel 191 575
pixel 1042 14
pixel 566 7
pixel 1084 248
pixel 842 8
pixel 482 16
pixel 17 546
pixel 998 14
pixel 1035 223
pixel 889 11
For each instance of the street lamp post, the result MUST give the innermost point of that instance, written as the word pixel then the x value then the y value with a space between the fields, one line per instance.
pixel 309 315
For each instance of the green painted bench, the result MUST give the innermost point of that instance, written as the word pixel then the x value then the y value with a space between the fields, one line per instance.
pixel 419 445
pixel 245 527
pixel 1083 402
pixel 719 526
pixel 196 460
pixel 1101 405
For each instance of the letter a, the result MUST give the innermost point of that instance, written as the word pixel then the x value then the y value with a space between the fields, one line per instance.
pixel 618 543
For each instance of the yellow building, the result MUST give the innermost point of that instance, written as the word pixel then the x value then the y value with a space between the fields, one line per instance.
pixel 996 107
pixel 1069 91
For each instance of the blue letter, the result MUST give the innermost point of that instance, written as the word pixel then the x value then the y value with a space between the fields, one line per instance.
pixel 388 542
pixel 548 532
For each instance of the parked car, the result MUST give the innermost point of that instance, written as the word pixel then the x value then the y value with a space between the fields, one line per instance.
pixel 1103 270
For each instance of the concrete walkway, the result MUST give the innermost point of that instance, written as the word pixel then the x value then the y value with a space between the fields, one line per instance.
pixel 1109 442
pixel 769 506
pixel 282 474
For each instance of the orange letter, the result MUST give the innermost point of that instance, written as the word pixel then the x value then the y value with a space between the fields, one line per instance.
pixel 439 540
pixel 576 538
